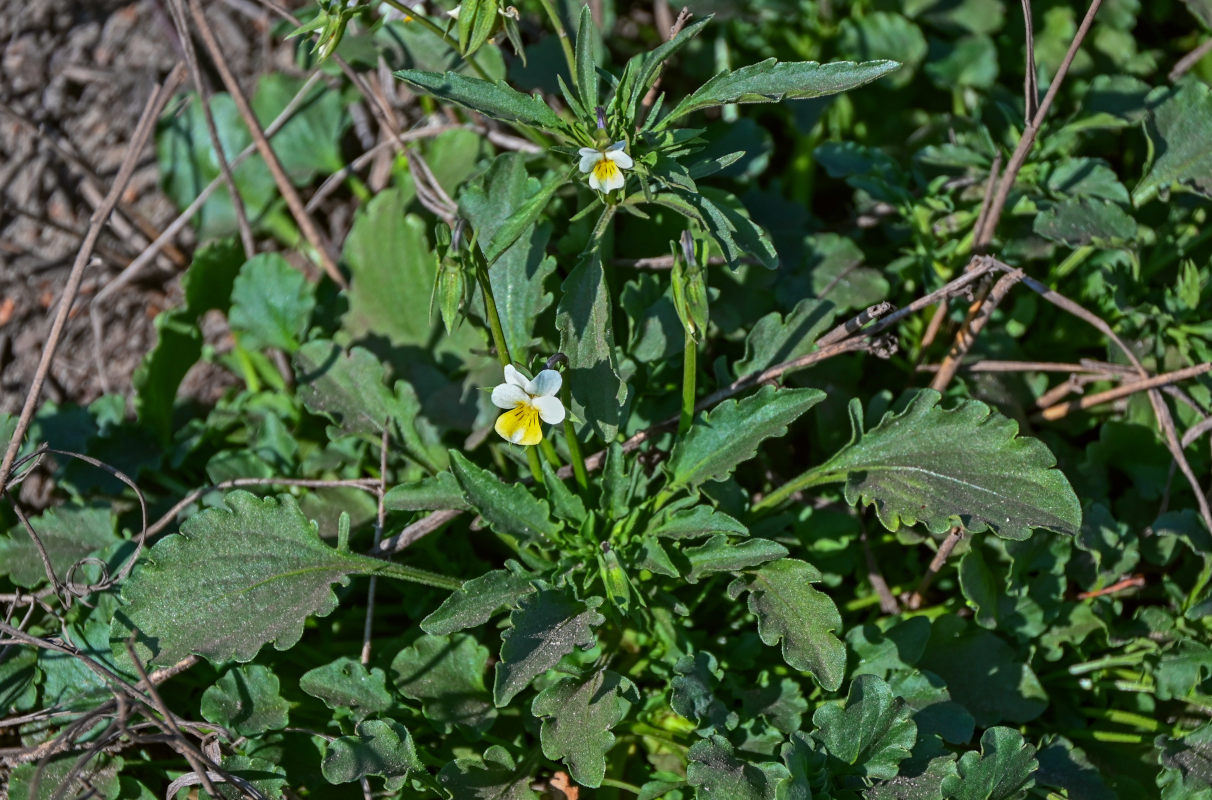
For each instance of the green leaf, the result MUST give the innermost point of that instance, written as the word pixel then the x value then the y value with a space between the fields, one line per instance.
pixel 729 434
pixel 66 776
pixel 68 534
pixel 567 506
pixel 872 733
pixel 1085 220
pixel 577 715
pixel 717 554
pixel 690 523
pixel 478 600
pixel 494 100
pixel 309 143
pixel 246 699
pixel 477 19
pixel 1202 9
pixel 271 303
pixel 1064 766
pixel 17 676
pixel 722 216
pixel 924 785
pixel 963 466
pixel 720 775
pixel 346 683
pixel 1003 769
pixel 496 776
pixel 446 674
pixel 586 60
pixel 265 776
pixel 642 70
pixel 789 610
pixel 1191 755
pixel 380 747
pixel 1180 132
pixel 545 627
pixel 431 493
pixel 692 693
pixel 509 508
pixel 587 338
pixel 837 274
pixel 233 580
pixel 773 340
pixel 349 388
pixel 770 81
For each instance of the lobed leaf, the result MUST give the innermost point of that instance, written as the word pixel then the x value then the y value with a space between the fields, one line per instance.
pixel 446 674
pixel 577 715
pixel 872 733
pixel 381 747
pixel 1003 769
pixel 545 627
pixel 347 683
pixel 478 599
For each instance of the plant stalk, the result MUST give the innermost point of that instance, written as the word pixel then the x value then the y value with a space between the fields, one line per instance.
pixel 562 33
pixel 689 373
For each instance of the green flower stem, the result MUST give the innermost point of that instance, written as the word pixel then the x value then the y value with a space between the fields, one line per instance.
pixel 574 448
pixel 689 372
pixel 430 25
pixel 617 784
pixel 549 453
pixel 1201 583
pixel 562 33
pixel 813 477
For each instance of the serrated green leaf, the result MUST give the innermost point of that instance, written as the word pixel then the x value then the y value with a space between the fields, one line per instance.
pixel 431 493
pixel 1002 770
pixel 722 217
pixel 583 318
pixel 924 785
pixel 728 435
pixel 496 776
pixel 690 523
pixel 718 554
pixel 872 733
pixel 789 610
pixel 773 340
pixel 586 60
pixel 246 699
pixel 545 627
pixel 1180 130
pixel 496 100
pixel 68 534
pixel 235 579
pixel 1082 221
pixel 271 303
pixel 963 466
pixel 577 715
pixel 771 81
pixel 568 506
pixel 446 674
pixel 719 775
pixel 509 508
pixel 477 600
pixel 380 747
pixel 781 703
pixel 346 683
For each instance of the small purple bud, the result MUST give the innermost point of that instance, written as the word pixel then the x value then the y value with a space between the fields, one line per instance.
pixel 601 112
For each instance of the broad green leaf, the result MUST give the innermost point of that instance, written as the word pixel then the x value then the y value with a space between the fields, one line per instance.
pixel 781 703
pixel 349 388
pixel 478 600
pixel 773 340
pixel 17 676
pixel 496 100
pixel 65 776
pixel 1064 766
pixel 872 733
pixel 720 775
pixel 722 217
pixel 431 493
pixel 1083 221
pixel 962 466
pixel 690 523
pixel 770 81
pixel 789 610
pixel 235 579
pixel 1180 131
pixel 496 776
pixel 379 747
pixel 545 627
pixel 885 34
pixel 1002 770
pixel 808 764
pixel 577 715
pixel 924 785
pixel 1086 177
pixel 837 274
pixel 566 505
pixel 517 272
pixel 587 338
pixel 692 693
pixel 309 143
pixel 509 508
pixel 346 683
pixel 66 680
pixel 271 303
pixel 246 700
pixel 68 534
pixel 265 776
pixel 729 434
pixel 1190 755
pixel 391 270
pixel 446 674
pixel 523 216
pixel 717 554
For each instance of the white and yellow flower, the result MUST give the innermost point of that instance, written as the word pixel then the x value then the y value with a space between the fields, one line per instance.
pixel 605 167
pixel 528 401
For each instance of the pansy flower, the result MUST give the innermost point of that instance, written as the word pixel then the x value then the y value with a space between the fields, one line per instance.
pixel 526 402
pixel 605 167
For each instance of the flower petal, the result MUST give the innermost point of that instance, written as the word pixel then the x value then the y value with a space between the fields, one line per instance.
pixel 615 181
pixel 520 426
pixel 547 382
pixel 588 159
pixel 508 396
pixel 550 409
pixel 594 182
pixel 622 159
pixel 516 378
pixel 619 145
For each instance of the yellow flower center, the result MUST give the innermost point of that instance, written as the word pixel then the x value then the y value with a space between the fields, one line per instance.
pixel 521 425
pixel 605 170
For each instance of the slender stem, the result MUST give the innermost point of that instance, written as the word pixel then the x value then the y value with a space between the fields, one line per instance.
pixel 422 576
pixel 617 784
pixel 536 469
pixel 430 25
pixel 812 477
pixel 490 309
pixel 562 33
pixel 549 453
pixel 574 452
pixel 689 373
